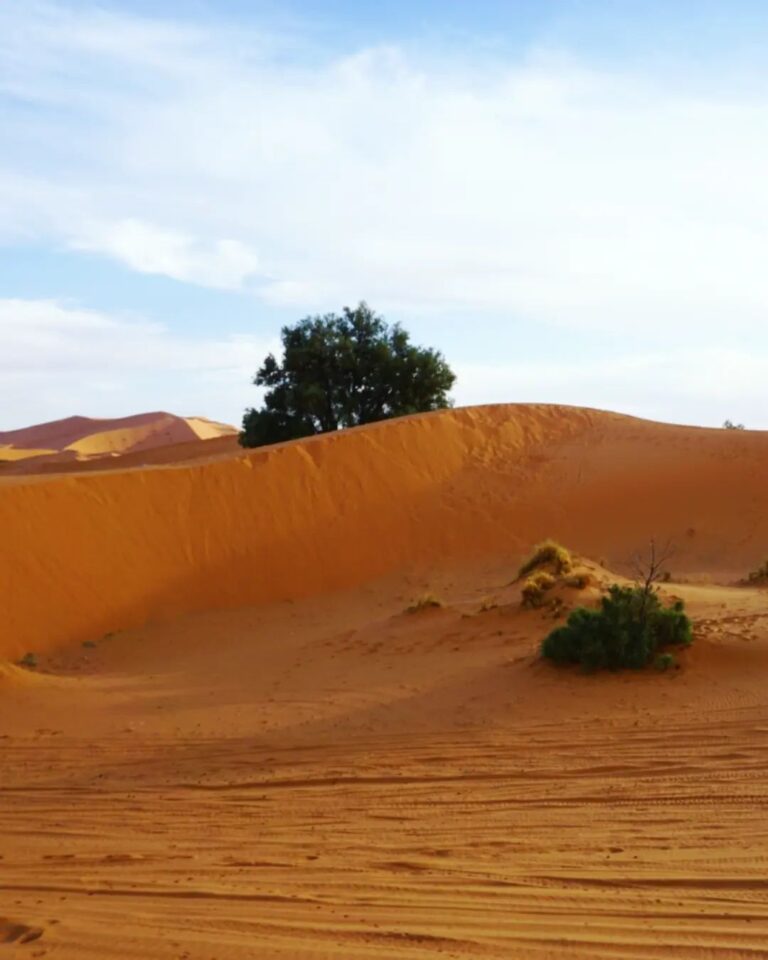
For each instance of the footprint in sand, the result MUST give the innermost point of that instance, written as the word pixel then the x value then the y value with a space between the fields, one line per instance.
pixel 12 932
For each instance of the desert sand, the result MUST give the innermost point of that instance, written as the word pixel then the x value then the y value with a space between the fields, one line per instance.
pixel 76 442
pixel 238 741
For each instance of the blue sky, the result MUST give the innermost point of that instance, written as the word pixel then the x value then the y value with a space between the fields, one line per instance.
pixel 568 198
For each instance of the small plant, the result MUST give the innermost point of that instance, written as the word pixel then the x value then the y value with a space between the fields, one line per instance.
pixel 664 661
pixel 759 575
pixel 548 553
pixel 425 602
pixel 626 631
pixel 672 626
pixel 29 660
pixel 535 587
pixel 488 604
pixel 89 644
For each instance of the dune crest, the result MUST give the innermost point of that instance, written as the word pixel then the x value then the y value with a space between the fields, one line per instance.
pixel 121 548
pixel 84 438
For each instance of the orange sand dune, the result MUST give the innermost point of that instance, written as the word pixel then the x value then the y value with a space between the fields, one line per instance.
pixel 120 549
pixel 185 452
pixel 239 743
pixel 84 438
pixel 338 778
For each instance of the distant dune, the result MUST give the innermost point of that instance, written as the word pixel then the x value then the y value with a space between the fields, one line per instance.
pixel 118 549
pixel 78 440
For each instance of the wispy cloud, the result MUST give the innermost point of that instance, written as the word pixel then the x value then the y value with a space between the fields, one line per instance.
pixel 566 197
pixel 704 388
pixel 225 264
pixel 544 189
pixel 59 358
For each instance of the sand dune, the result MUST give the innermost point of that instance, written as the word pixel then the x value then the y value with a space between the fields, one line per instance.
pixel 119 549
pixel 239 743
pixel 82 439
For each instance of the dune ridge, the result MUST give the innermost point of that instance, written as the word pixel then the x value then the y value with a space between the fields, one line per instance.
pixel 82 439
pixel 122 548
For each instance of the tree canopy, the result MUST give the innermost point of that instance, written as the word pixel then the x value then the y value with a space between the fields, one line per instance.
pixel 342 371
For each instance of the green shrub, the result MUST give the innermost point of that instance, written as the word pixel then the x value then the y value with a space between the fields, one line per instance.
pixel 673 628
pixel 28 660
pixel 759 575
pixel 535 587
pixel 547 552
pixel 626 631
pixel 664 661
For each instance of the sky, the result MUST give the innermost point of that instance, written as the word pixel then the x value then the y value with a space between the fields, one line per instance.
pixel 568 198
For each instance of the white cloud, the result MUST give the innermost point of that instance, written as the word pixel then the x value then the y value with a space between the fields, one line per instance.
pixel 540 189
pixel 225 264
pixel 563 197
pixel 705 388
pixel 58 358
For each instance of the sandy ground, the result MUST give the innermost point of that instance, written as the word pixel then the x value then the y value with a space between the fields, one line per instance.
pixel 319 773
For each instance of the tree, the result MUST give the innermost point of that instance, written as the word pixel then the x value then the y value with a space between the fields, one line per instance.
pixel 342 371
pixel 730 425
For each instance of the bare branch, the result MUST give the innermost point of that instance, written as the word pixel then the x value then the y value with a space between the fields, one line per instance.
pixel 649 569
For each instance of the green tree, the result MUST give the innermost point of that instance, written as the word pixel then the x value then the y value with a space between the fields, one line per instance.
pixel 342 371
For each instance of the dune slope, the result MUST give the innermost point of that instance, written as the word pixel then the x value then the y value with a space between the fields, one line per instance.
pixel 84 439
pixel 118 549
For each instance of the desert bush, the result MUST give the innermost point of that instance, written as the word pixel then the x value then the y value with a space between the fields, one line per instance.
pixel 626 631
pixel 426 601
pixel 730 425
pixel 760 574
pixel 672 626
pixel 549 552
pixel 664 661
pixel 535 587
pixel 28 660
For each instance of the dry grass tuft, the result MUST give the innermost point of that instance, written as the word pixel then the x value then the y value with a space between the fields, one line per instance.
pixel 535 587
pixel 426 601
pixel 548 553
